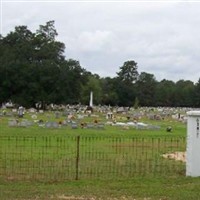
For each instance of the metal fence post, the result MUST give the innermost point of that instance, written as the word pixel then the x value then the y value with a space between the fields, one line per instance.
pixel 77 156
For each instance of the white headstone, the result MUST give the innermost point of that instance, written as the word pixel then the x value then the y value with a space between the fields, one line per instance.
pixel 193 144
pixel 20 111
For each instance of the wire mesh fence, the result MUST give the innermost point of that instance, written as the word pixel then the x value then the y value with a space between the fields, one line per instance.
pixel 81 157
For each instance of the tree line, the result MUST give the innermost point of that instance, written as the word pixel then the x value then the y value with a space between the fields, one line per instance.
pixel 33 69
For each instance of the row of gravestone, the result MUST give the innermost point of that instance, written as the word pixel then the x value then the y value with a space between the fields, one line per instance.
pixel 75 125
pixel 53 124
pixel 161 113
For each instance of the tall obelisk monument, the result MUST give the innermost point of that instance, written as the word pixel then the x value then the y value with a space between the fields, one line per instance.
pixel 91 99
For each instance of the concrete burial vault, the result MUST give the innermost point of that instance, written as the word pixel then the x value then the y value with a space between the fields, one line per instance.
pixel 193 144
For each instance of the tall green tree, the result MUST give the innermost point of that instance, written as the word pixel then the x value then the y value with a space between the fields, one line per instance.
pixel 184 92
pixel 128 72
pixel 197 94
pixel 165 93
pixel 146 89
pixel 125 85
pixel 72 77
pixel 15 63
pixel 45 45
pixel 31 60
pixel 109 94
pixel 47 59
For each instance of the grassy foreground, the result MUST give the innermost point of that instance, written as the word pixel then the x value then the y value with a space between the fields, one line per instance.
pixel 137 188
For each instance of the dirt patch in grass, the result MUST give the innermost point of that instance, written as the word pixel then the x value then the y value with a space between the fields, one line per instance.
pixel 63 197
pixel 178 156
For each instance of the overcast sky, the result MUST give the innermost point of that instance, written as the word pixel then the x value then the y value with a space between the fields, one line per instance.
pixel 163 37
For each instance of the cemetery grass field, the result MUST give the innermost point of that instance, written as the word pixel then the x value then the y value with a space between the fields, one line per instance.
pixel 159 187
pixel 137 188
pixel 178 128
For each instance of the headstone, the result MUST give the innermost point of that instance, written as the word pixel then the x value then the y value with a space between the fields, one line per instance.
pixel 48 124
pixel 20 111
pixel 32 110
pixel 100 126
pixel 90 126
pixel 80 116
pixel 23 123
pixel 57 114
pixel 193 144
pixel 55 125
pixel 51 125
pixel 109 115
pixel 34 116
pixel 13 123
pixel 74 125
pixel 14 110
pixel 153 127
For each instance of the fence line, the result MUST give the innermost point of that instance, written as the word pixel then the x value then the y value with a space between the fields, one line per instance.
pixel 82 157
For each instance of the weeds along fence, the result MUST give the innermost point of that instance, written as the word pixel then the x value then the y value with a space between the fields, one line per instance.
pixel 80 157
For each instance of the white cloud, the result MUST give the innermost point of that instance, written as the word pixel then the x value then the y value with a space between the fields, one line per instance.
pixel 93 41
pixel 161 37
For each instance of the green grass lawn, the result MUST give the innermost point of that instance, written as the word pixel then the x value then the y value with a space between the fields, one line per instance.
pixel 178 128
pixel 137 188
pixel 162 186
